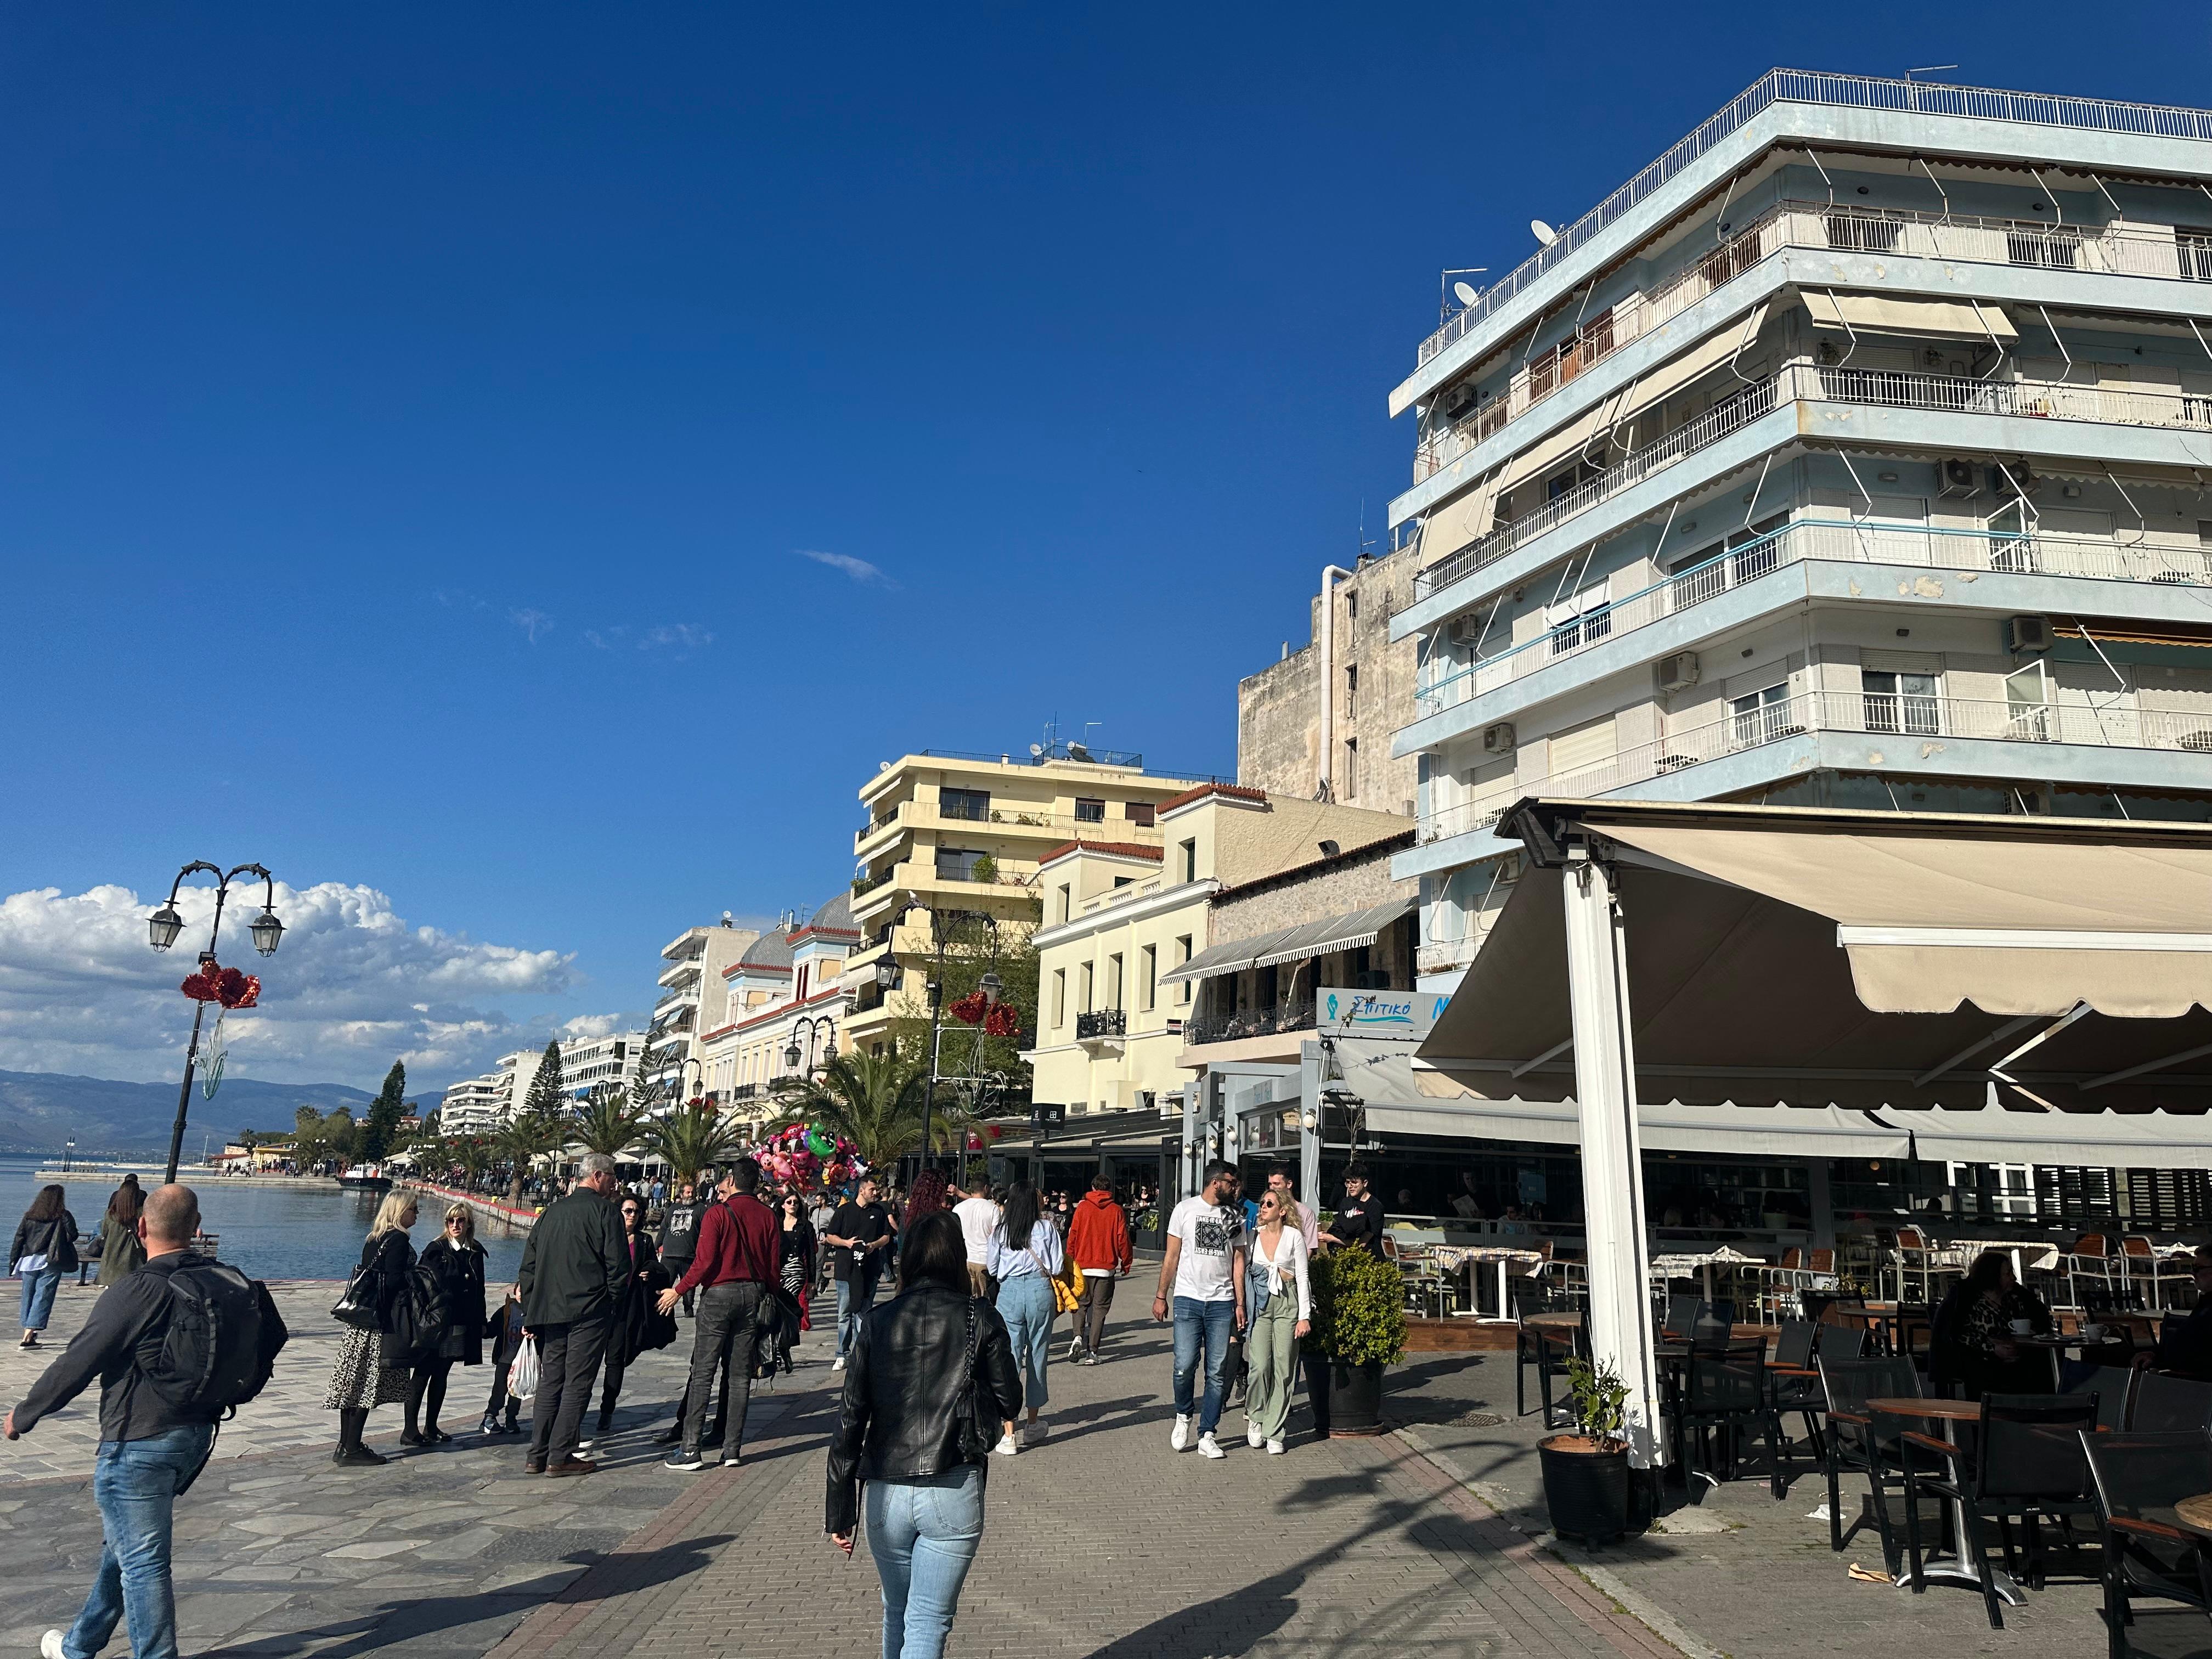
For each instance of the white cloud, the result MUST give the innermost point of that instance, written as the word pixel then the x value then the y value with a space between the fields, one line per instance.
pixel 858 569
pixel 687 637
pixel 535 623
pixel 352 986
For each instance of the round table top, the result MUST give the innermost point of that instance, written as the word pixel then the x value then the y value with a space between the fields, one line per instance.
pixel 2196 1513
pixel 1949 1411
pixel 1554 1322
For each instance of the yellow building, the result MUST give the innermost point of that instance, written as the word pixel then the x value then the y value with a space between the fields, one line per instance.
pixel 1125 917
pixel 964 833
pixel 785 1003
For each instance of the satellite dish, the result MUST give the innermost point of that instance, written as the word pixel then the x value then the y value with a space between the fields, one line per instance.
pixel 1542 231
pixel 1464 293
pixel 1037 751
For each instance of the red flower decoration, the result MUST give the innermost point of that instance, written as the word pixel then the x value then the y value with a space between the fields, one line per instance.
pixel 971 1008
pixel 1002 1021
pixel 217 983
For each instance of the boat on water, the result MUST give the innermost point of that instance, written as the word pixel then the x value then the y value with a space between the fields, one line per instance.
pixel 366 1177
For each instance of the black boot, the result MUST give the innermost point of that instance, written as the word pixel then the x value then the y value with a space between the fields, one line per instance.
pixel 353 1422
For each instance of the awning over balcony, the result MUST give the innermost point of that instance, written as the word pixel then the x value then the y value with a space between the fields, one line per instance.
pixel 1869 314
pixel 1668 378
pixel 1860 959
pixel 1232 958
pixel 1308 938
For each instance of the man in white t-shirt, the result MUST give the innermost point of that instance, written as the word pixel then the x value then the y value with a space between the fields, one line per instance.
pixel 979 1214
pixel 1204 1265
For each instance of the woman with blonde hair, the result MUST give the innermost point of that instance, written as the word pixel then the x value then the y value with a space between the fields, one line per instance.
pixel 369 1372
pixel 455 1264
pixel 1278 1265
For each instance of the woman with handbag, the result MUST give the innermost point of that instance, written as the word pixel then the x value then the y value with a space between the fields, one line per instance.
pixel 929 1377
pixel 372 1362
pixel 454 1263
pixel 43 1249
pixel 1282 1315
pixel 1023 1256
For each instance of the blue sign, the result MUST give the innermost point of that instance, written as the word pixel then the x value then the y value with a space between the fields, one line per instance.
pixel 1410 1014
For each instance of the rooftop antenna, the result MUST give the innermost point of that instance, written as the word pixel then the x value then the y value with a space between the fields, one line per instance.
pixel 1925 69
pixel 1465 293
pixel 1542 231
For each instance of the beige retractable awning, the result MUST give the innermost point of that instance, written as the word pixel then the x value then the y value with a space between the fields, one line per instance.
pixel 1869 314
pixel 1668 378
pixel 1569 440
pixel 1465 517
pixel 1861 959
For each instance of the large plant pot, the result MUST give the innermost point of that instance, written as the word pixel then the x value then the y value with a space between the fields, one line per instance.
pixel 1585 1487
pixel 1355 1398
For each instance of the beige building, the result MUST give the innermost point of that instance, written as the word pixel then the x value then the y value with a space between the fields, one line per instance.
pixel 1128 960
pixel 785 1003
pixel 693 999
pixel 964 833
pixel 1317 725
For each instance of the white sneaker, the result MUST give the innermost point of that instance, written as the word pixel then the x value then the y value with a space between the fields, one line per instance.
pixel 1275 1449
pixel 1206 1448
pixel 1007 1446
pixel 1253 1438
pixel 838 1364
pixel 50 1645
pixel 1180 1437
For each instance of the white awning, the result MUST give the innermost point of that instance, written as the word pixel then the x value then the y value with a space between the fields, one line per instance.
pixel 1867 313
pixel 1232 958
pixel 1345 932
pixel 1717 348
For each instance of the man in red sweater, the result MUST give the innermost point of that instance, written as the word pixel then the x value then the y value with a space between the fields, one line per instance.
pixel 1098 1241
pixel 733 1268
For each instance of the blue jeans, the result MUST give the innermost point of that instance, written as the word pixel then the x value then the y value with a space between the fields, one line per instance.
pixel 39 1297
pixel 136 1483
pixel 854 1296
pixel 1025 1303
pixel 923 1534
pixel 1209 1324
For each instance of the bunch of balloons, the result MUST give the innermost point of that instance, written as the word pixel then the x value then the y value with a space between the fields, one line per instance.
pixel 809 1156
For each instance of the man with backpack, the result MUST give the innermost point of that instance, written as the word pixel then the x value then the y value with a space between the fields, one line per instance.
pixel 174 1345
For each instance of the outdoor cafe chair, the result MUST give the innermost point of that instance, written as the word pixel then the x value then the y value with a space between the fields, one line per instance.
pixel 1547 1349
pixel 1713 1321
pixel 1725 1394
pixel 2088 1267
pixel 2114 1387
pixel 1793 1382
pixel 2024 1459
pixel 2165 1404
pixel 1681 1317
pixel 1866 1443
pixel 1832 1340
pixel 2137 1478
pixel 2142 1270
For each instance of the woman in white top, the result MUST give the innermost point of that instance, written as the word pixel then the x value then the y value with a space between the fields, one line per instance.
pixel 1278 1267
pixel 1023 1255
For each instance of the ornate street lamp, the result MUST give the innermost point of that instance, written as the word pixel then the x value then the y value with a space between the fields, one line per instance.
pixel 161 930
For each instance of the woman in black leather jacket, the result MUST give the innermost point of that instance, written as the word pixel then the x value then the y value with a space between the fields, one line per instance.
pixel 917 1429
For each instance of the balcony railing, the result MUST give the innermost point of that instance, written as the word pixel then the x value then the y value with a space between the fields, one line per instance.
pixel 2116 724
pixel 2122 250
pixel 1807 382
pixel 1842 91
pixel 1101 1022
pixel 1249 1023
pixel 2036 553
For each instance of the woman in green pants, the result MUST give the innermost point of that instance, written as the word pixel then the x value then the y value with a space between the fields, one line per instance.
pixel 1278 1270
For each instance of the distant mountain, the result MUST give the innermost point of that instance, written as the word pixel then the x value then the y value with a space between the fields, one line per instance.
pixel 39 1111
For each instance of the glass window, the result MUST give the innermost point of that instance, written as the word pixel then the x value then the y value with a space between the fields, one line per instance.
pixel 1901 702
pixel 1189 871
pixel 1090 812
pixel 1060 996
pixel 1140 811
pixel 1148 985
pixel 1761 716
pixel 957 864
pixel 973 804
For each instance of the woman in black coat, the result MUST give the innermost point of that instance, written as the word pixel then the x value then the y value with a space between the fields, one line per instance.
pixel 637 1327
pixel 453 1263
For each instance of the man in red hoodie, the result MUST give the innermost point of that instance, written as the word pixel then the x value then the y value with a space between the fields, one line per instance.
pixel 1098 1241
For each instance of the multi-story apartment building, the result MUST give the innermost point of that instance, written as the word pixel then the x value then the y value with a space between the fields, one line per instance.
pixel 1136 987
pixel 786 999
pixel 965 833
pixel 479 1105
pixel 692 999
pixel 1854 452
pixel 474 1106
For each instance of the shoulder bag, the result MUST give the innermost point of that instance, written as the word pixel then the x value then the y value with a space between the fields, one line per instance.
pixel 974 1444
pixel 357 1305
pixel 1067 1284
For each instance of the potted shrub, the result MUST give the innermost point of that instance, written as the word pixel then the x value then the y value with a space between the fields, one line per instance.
pixel 1586 1468
pixel 1358 1327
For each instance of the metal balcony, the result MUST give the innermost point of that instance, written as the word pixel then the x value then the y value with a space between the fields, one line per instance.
pixel 1101 1024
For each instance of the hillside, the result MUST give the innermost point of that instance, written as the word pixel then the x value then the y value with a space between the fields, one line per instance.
pixel 39 1111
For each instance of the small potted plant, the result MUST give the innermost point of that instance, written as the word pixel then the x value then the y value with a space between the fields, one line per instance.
pixel 1358 1327
pixel 1586 1469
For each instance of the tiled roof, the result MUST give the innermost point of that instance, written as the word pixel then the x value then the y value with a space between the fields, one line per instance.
pixel 1234 791
pixel 1127 849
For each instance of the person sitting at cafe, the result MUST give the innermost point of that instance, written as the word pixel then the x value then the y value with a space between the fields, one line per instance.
pixel 1465 1204
pixel 1975 1346
pixel 2185 1345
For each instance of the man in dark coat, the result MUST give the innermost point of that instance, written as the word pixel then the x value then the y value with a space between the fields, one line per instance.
pixel 575 1272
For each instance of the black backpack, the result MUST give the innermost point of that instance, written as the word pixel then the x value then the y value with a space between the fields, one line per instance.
pixel 220 1343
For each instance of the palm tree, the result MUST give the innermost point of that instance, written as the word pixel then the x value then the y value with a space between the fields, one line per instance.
pixel 693 1137
pixel 874 1101
pixel 470 1155
pixel 528 1137
pixel 605 1121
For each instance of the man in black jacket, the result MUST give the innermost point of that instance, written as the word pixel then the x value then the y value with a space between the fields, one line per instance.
pixel 150 1451
pixel 575 1269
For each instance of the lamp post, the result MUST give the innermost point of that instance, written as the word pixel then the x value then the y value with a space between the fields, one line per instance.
pixel 823 1026
pixel 68 1153
pixel 161 930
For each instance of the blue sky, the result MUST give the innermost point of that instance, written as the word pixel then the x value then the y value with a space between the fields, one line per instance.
pixel 534 463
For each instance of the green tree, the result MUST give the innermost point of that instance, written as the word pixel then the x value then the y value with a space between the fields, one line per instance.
pixel 471 1154
pixel 548 1094
pixel 874 1101
pixel 973 948
pixel 319 1136
pixel 605 1121
pixel 380 1132
pixel 527 1137
pixel 692 1138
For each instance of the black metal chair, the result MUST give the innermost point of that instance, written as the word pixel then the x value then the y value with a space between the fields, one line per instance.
pixel 2165 1405
pixel 2114 1387
pixel 2024 1459
pixel 2136 1479
pixel 1681 1317
pixel 1861 1442
pixel 1548 1350
pixel 1833 1341
pixel 1793 1383
pixel 1725 1392
pixel 1714 1321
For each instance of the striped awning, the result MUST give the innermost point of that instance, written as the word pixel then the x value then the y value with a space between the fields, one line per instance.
pixel 1307 939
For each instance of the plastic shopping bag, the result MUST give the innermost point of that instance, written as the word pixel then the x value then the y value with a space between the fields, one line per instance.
pixel 522 1375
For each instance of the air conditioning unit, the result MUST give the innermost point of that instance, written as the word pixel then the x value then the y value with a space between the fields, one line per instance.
pixel 1959 479
pixel 2014 478
pixel 1677 672
pixel 2028 632
pixel 1463 630
pixel 1498 739
pixel 1459 397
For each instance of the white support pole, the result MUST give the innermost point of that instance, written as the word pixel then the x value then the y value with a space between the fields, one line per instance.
pixel 1612 1168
